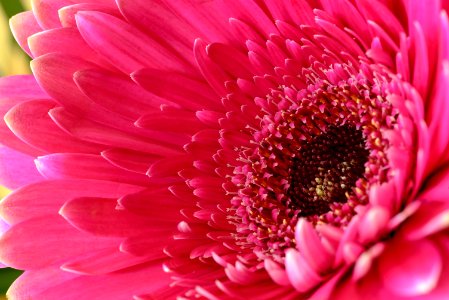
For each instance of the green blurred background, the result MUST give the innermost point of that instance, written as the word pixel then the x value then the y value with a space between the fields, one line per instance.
pixel 12 61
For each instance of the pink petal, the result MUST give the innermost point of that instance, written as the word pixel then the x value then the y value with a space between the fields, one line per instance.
pixel 342 37
pixel 178 88
pixel 11 141
pixel 46 12
pixel 17 169
pixel 348 16
pixel 410 269
pixel 300 273
pixel 144 202
pixel 442 289
pixel 162 24
pixel 63 40
pixel 252 13
pixel 230 59
pixel 102 262
pixel 169 166
pixel 130 160
pixel 431 218
pixel 149 243
pixel 436 188
pixel 4 226
pixel 67 13
pixel 100 216
pixel 364 262
pixel 121 285
pixel 23 25
pixel 373 224
pixel 438 116
pixel 34 200
pixel 376 11
pixel 27 244
pixel 427 16
pixel 15 90
pixel 30 283
pixel 85 166
pixel 30 122
pixel 309 245
pixel 214 75
pixel 276 272
pixel 207 18
pixel 263 290
pixel 421 64
pixel 116 93
pixel 169 121
pixel 54 73
pixel 125 47
pixel 89 131
pixel 326 290
pixel 23 87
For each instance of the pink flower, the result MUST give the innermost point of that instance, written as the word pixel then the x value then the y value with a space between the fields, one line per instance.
pixel 244 149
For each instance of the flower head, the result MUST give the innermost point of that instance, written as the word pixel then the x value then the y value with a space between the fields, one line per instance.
pixel 228 150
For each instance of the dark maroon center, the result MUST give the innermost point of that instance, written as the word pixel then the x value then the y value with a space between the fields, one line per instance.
pixel 326 168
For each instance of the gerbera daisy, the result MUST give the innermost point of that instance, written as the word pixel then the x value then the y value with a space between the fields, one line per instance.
pixel 258 149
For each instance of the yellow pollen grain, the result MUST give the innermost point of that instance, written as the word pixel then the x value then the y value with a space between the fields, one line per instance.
pixel 319 190
pixel 377 142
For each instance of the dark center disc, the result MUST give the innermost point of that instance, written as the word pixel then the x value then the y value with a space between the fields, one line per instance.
pixel 326 168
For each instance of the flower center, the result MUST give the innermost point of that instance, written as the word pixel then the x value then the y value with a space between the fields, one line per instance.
pixel 317 151
pixel 326 169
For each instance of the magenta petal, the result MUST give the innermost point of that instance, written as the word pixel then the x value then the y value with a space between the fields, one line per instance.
pixel 421 70
pixel 85 166
pixel 161 23
pixel 46 12
pixel 34 201
pixel 126 137
pixel 17 169
pixel 211 72
pixel 124 46
pixel 207 18
pixel 4 226
pixel 30 122
pixel 432 217
pixel 67 13
pixel 178 88
pixel 24 87
pixel 54 73
pixel 119 285
pixel 301 275
pixel 311 248
pixel 100 216
pixel 365 261
pixel 373 224
pixel 129 160
pixel 27 244
pixel 410 269
pixel 149 243
pixel 436 188
pixel 24 25
pixel 438 113
pixel 102 262
pixel 276 272
pixel 117 92
pixel 144 202
pixel 63 40
pixel 30 283
pixel 230 59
